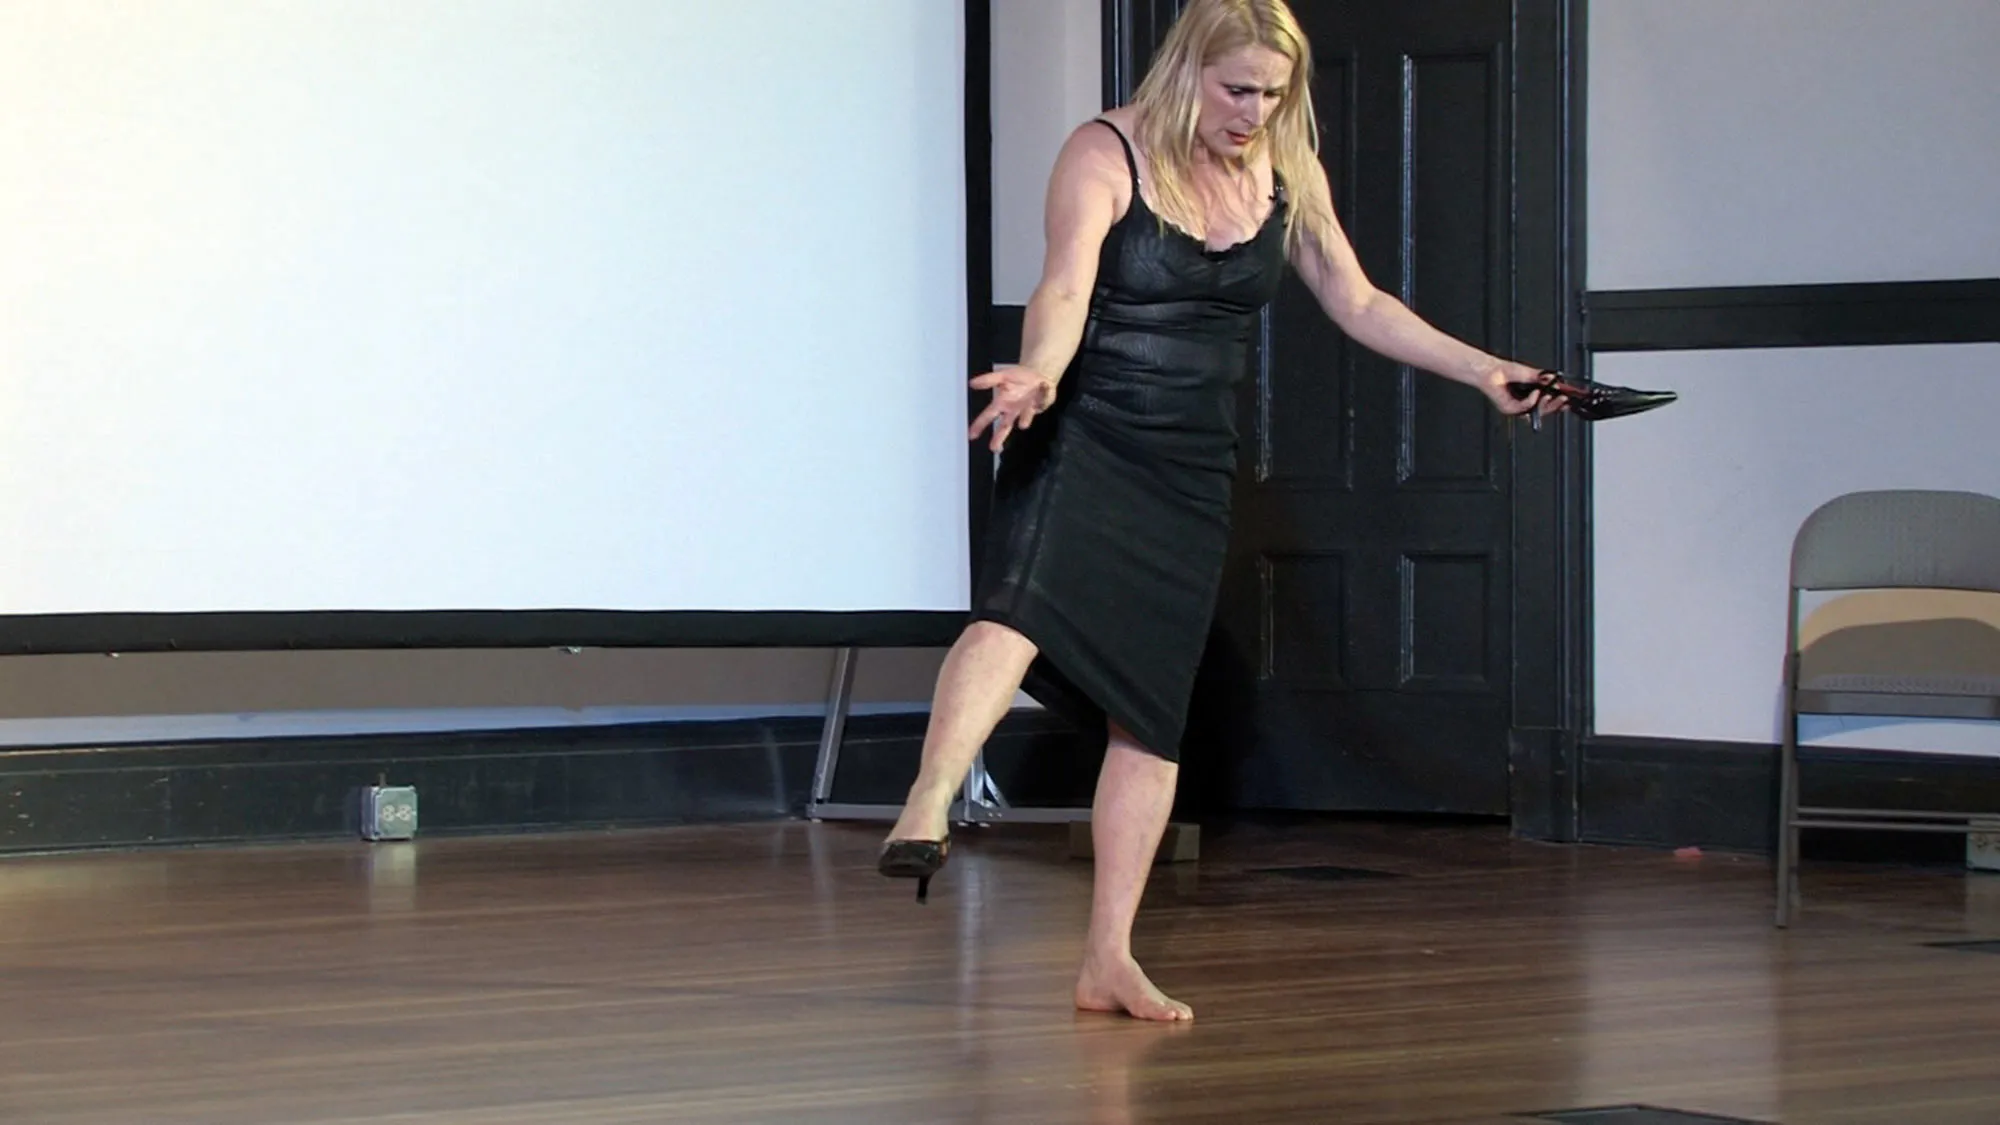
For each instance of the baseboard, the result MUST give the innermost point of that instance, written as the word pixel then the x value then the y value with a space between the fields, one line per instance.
pixel 1643 791
pixel 242 790
pixel 1723 795
pixel 1674 792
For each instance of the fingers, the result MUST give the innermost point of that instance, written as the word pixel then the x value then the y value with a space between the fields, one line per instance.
pixel 994 418
pixel 1006 377
pixel 1002 420
pixel 1550 402
pixel 985 418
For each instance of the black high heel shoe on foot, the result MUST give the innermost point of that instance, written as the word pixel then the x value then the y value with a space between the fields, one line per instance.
pixel 914 859
pixel 1593 402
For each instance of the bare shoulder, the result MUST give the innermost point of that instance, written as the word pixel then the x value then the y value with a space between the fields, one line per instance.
pixel 1091 146
pixel 1126 117
pixel 1092 161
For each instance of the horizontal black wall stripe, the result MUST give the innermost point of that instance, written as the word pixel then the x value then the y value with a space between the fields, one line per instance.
pixel 1677 792
pixel 243 632
pixel 1794 316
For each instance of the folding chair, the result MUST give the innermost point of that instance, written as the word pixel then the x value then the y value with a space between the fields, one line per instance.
pixel 1923 666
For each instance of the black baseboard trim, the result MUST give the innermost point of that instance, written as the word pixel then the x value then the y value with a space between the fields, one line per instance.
pixel 492 782
pixel 1794 316
pixel 1724 795
pixel 1674 793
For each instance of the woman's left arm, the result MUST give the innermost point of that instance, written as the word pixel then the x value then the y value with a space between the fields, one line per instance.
pixel 1325 260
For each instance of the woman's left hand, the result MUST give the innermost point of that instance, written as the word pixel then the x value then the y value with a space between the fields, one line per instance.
pixel 1496 388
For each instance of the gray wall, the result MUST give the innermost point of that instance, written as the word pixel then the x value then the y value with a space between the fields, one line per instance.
pixel 1047 59
pixel 1045 66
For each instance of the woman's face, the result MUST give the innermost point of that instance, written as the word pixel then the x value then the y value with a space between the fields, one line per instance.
pixel 1239 92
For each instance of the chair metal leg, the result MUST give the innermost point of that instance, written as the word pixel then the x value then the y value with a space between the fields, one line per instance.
pixel 1788 832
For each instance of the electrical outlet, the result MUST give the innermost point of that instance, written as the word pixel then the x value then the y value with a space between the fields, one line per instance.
pixel 1982 846
pixel 388 812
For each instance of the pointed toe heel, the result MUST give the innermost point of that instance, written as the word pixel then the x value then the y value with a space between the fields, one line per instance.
pixel 1594 402
pixel 914 859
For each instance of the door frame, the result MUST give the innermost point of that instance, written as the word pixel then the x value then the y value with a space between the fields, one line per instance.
pixel 1550 598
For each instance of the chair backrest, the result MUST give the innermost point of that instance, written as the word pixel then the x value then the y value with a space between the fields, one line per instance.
pixel 1900 538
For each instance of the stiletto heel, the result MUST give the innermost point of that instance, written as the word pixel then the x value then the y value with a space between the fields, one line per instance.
pixel 1594 402
pixel 914 859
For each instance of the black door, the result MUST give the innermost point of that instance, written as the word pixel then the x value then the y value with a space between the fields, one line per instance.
pixel 1366 654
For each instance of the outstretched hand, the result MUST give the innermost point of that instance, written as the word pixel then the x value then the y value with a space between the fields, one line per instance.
pixel 1018 395
pixel 1496 388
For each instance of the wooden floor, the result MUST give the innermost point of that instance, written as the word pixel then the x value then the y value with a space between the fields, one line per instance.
pixel 765 974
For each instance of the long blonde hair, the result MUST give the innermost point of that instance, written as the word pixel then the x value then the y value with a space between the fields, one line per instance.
pixel 1168 103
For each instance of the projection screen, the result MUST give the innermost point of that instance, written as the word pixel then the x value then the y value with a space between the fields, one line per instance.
pixel 364 322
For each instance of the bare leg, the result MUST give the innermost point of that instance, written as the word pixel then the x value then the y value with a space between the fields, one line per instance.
pixel 975 688
pixel 1135 794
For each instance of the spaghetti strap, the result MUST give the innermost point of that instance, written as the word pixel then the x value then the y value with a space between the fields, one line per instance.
pixel 1131 161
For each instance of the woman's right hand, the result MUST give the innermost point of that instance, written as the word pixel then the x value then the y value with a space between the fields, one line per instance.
pixel 1018 395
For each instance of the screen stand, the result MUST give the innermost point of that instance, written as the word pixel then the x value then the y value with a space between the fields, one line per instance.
pixel 981 802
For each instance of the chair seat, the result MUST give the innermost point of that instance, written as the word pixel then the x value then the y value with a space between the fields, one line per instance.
pixel 1914 695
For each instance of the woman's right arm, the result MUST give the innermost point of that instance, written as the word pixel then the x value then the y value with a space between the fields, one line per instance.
pixel 1086 193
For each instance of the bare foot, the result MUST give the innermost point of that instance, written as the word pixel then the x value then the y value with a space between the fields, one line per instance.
pixel 1119 985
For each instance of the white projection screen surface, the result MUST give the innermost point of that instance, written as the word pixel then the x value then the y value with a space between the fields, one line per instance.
pixel 437 305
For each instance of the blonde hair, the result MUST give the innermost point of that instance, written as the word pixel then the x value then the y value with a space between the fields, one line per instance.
pixel 1168 103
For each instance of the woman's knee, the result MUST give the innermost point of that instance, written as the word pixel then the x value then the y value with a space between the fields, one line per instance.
pixel 1122 739
pixel 991 636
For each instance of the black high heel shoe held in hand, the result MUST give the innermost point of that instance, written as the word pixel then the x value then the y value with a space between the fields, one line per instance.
pixel 1594 402
pixel 914 859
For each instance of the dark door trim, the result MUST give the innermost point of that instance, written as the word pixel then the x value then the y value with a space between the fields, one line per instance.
pixel 1550 598
pixel 1553 579
pixel 1131 28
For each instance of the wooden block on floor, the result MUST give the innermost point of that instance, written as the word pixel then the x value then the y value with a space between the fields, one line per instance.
pixel 1180 843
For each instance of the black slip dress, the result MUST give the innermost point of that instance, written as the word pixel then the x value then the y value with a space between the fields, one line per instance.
pixel 1110 516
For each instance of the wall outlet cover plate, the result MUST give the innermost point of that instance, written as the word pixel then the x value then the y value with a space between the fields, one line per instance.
pixel 388 812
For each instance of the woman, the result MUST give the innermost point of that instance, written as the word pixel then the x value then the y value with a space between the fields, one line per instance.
pixel 1169 223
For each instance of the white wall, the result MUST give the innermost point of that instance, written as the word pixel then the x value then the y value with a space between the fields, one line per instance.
pixel 1696 505
pixel 1766 143
pixel 1047 62
pixel 66 698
